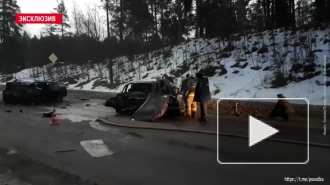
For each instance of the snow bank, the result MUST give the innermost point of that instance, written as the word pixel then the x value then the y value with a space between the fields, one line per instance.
pixel 235 75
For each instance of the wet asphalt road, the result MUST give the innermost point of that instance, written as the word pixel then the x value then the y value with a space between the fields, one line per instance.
pixel 145 157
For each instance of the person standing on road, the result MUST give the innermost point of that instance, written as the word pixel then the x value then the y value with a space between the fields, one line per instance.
pixel 190 93
pixel 282 108
pixel 183 90
pixel 184 84
pixel 32 94
pixel 202 95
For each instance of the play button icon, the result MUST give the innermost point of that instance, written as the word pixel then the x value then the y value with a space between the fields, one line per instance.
pixel 259 131
pixel 253 138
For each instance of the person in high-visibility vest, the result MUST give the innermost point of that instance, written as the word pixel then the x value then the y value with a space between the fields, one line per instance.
pixel 191 104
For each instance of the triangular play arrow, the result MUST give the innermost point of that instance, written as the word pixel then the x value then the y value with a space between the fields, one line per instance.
pixel 258 131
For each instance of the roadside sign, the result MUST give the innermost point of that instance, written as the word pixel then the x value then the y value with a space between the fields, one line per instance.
pixel 53 58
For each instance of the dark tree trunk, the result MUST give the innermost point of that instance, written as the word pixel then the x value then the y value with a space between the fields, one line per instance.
pixel 265 13
pixel 121 22
pixel 273 12
pixel 156 12
pixel 207 20
pixel 107 14
pixel 328 11
pixel 239 15
pixel 319 14
pixel 3 21
pixel 268 22
pixel 152 5
pixel 162 24
pixel 179 14
pixel 201 20
pixel 292 13
pixel 197 17
pixel 62 30
pixel 110 71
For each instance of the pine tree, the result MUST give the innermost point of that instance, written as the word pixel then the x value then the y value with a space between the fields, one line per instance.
pixel 7 19
pixel 10 32
pixel 59 29
pixel 65 18
pixel 304 12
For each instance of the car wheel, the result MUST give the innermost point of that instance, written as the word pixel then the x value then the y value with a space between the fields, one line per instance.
pixel 59 98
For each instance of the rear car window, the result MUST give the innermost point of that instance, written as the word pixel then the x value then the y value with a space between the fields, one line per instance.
pixel 142 87
pixel 17 87
pixel 139 87
pixel 53 86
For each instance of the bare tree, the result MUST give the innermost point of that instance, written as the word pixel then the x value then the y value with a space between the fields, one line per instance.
pixel 92 21
pixel 76 18
pixel 106 7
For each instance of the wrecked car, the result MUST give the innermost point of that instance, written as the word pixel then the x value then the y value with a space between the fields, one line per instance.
pixel 20 92
pixel 51 91
pixel 33 92
pixel 147 100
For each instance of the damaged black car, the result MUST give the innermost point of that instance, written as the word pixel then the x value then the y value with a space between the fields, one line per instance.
pixel 33 92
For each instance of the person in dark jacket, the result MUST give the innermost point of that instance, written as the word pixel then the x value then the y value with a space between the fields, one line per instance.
pixel 32 94
pixel 202 95
pixel 282 109
pixel 184 83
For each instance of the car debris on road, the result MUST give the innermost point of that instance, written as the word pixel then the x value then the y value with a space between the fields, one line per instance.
pixel 64 151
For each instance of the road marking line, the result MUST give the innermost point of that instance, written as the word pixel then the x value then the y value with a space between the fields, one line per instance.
pixel 96 148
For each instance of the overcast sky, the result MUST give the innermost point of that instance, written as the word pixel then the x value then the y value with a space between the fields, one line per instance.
pixel 46 6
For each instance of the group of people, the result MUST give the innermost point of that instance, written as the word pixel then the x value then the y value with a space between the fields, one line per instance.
pixel 196 90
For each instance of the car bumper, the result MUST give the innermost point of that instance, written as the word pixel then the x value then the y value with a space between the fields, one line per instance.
pixel 109 103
